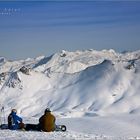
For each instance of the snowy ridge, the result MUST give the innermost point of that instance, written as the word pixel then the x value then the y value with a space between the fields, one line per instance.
pixel 86 81
pixel 81 84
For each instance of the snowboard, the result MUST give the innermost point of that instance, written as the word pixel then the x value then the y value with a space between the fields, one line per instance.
pixel 34 127
pixel 62 128
pixel 4 126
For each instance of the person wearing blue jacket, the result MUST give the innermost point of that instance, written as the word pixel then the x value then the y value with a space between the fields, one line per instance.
pixel 14 120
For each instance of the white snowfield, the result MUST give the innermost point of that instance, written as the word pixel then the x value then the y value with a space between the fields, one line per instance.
pixel 96 94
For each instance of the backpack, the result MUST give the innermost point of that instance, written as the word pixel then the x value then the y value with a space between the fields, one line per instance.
pixel 10 121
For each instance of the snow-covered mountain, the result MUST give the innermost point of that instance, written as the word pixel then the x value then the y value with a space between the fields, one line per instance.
pixel 72 84
pixel 94 93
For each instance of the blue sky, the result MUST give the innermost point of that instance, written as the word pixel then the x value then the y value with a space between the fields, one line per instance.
pixel 31 29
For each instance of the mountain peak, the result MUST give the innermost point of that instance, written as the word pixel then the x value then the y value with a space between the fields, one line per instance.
pixel 102 82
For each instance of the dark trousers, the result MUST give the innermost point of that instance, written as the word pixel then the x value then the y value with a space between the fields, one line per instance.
pixel 34 127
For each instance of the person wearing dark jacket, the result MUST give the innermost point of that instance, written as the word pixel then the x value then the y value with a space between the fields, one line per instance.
pixel 47 121
pixel 14 120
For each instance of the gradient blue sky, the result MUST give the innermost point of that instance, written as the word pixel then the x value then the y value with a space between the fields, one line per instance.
pixel 31 29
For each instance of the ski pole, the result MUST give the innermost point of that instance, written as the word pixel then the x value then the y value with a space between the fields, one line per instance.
pixel 3 115
pixel 3 111
pixel 0 118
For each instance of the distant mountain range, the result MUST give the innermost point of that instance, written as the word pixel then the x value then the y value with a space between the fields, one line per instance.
pixel 79 83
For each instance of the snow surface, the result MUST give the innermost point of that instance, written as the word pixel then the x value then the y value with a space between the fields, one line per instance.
pixel 94 93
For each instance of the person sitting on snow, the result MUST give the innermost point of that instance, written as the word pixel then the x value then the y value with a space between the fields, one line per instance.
pixel 14 121
pixel 47 121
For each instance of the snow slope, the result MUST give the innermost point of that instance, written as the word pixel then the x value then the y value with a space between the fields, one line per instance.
pixel 122 127
pixel 100 88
